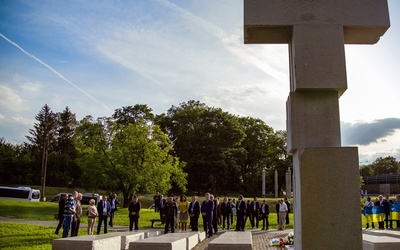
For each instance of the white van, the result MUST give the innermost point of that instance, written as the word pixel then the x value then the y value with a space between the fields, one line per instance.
pixel 19 193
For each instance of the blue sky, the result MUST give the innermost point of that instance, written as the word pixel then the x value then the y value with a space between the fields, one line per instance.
pixel 97 56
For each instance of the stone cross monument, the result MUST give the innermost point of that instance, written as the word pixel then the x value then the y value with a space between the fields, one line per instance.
pixel 326 179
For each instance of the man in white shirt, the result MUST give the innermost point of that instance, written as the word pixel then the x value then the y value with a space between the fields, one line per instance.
pixel 282 214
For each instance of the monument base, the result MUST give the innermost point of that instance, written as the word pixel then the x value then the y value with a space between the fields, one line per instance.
pixel 327 200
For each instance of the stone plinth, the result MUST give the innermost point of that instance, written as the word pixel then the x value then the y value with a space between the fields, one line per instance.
pixel 89 242
pixel 128 237
pixel 371 242
pixel 232 241
pixel 171 241
pixel 327 207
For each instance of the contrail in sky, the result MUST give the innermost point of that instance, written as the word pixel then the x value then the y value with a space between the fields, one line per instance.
pixel 54 71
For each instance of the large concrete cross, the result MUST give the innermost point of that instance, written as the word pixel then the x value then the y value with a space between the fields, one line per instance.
pixel 326 186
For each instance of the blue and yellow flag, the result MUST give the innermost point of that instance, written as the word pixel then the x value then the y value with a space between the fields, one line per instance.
pixel 395 211
pixel 374 214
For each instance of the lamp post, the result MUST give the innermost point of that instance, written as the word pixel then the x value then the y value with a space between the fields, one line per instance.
pixel 263 182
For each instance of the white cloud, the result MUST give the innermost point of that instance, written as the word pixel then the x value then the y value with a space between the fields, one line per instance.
pixel 10 99
pixel 19 120
pixel 31 88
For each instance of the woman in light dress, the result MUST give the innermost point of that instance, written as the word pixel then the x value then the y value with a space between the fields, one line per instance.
pixel 92 214
pixel 183 212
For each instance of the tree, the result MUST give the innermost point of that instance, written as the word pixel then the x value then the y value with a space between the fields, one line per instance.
pixel 16 163
pixel 129 114
pixel 386 165
pixel 208 140
pixel 126 158
pixel 44 136
pixel 63 164
pixel 262 149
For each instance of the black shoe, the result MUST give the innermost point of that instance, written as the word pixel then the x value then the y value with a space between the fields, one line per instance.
pixel 262 228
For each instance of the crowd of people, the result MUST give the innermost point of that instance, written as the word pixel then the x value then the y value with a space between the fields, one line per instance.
pixel 383 218
pixel 70 213
pixel 176 212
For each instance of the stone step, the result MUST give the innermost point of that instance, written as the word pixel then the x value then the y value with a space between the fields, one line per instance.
pixel 373 242
pixel 171 241
pixel 110 241
pixel 232 241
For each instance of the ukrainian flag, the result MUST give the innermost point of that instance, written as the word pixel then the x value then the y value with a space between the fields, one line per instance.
pixel 368 214
pixel 377 214
pixel 395 211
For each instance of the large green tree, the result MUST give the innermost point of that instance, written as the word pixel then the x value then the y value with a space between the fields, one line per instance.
pixel 63 169
pixel 208 140
pixel 129 158
pixel 263 149
pixel 385 165
pixel 43 139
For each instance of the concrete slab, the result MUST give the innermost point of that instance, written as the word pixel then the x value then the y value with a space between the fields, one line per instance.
pixel 96 242
pixel 151 232
pixel 202 235
pixel 371 242
pixel 171 241
pixel 232 241
pixel 128 237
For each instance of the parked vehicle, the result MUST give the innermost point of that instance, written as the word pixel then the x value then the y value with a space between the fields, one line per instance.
pixel 19 193
pixel 86 197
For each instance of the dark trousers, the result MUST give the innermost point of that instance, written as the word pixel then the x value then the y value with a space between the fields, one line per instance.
pixel 388 222
pixel 133 219
pixel 111 218
pixel 227 219
pixel 207 223
pixel 101 219
pixel 265 221
pixel 169 222
pixel 254 220
pixel 75 227
pixel 248 216
pixel 194 222
pixel 240 222
pixel 215 224
pixel 60 223
pixel 287 218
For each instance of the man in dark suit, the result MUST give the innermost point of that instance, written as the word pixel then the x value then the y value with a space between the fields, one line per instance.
pixel 215 214
pixel 388 201
pixel 114 207
pixel 248 212
pixel 134 210
pixel 240 212
pixel 104 209
pixel 289 210
pixel 170 210
pixel 255 212
pixel 161 205
pixel 194 212
pixel 60 216
pixel 264 215
pixel 277 211
pixel 226 211
pixel 207 208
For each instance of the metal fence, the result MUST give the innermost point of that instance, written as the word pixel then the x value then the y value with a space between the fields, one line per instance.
pixel 382 179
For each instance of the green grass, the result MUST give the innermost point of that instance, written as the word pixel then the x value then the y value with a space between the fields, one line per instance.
pixel 18 236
